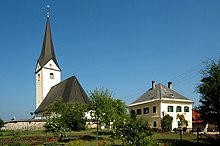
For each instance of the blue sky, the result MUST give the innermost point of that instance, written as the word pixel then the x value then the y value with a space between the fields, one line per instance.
pixel 121 45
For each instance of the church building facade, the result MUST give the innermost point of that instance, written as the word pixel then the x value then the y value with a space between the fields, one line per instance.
pixel 49 86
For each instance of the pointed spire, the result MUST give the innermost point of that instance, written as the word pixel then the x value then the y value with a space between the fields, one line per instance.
pixel 47 52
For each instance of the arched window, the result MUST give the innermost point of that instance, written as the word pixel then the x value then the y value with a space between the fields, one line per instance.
pixel 186 109
pixel 170 109
pixel 51 76
pixel 38 77
pixel 178 109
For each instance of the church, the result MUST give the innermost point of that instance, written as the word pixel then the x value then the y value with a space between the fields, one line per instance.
pixel 49 86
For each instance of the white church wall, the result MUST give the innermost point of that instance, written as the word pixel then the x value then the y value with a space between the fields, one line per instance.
pixel 50 75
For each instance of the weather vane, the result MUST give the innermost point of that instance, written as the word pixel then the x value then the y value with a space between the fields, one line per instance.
pixel 48 11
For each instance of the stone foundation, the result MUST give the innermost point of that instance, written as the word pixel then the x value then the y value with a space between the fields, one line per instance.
pixel 27 124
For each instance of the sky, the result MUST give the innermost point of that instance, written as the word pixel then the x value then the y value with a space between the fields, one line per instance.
pixel 121 45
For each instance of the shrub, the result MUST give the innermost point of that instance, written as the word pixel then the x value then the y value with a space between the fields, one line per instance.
pixel 76 143
pixel 166 123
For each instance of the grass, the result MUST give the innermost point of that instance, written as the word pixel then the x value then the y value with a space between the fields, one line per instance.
pixel 88 138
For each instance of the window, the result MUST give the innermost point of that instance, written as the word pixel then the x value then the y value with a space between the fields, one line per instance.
pixel 155 124
pixel 154 109
pixel 178 109
pixel 170 109
pixel 51 76
pixel 178 123
pixel 38 77
pixel 146 110
pixel 138 111
pixel 186 109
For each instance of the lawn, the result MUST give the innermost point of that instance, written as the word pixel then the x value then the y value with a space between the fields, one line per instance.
pixel 88 138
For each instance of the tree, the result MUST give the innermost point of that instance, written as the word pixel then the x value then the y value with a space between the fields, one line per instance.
pixel 166 123
pixel 62 117
pixel 183 121
pixel 209 89
pixel 132 131
pixel 1 123
pixel 74 116
pixel 106 109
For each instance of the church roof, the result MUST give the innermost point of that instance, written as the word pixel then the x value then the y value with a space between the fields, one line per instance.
pixel 69 90
pixel 47 52
pixel 159 92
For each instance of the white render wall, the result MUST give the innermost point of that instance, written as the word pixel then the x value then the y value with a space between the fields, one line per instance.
pixel 187 115
pixel 44 83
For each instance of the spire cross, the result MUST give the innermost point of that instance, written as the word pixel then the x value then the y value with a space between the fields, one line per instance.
pixel 48 11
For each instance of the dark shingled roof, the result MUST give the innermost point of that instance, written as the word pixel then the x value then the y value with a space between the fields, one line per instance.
pixel 47 52
pixel 160 91
pixel 69 90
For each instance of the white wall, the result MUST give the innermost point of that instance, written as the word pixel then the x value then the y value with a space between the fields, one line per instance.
pixel 187 115
pixel 45 83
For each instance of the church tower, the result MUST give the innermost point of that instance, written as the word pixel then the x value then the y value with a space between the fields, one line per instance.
pixel 47 72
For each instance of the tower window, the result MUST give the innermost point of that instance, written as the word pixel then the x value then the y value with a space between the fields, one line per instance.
pixel 38 77
pixel 51 76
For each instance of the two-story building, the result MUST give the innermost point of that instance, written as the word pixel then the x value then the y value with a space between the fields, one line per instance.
pixel 159 101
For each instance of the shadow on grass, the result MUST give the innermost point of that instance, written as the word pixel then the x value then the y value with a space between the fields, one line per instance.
pixel 102 133
pixel 173 142
pixel 85 137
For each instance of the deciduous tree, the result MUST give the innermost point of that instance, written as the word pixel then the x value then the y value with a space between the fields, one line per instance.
pixel 209 89
pixel 107 109
pixel 1 123
pixel 166 123
pixel 62 117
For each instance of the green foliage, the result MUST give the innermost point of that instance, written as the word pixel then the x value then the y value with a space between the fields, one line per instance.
pixel 76 143
pixel 166 123
pixel 51 144
pixel 133 131
pixel 183 121
pixel 1 123
pixel 17 143
pixel 74 116
pixel 62 117
pixel 209 89
pixel 106 108
pixel 51 126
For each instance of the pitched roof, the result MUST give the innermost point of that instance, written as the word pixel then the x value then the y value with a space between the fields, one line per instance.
pixel 196 117
pixel 47 52
pixel 69 90
pixel 158 92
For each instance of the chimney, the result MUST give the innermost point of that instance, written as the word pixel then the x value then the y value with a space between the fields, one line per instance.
pixel 153 84
pixel 170 85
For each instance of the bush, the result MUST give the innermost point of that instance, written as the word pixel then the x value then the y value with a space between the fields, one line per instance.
pixel 166 123
pixel 133 132
pixel 76 143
